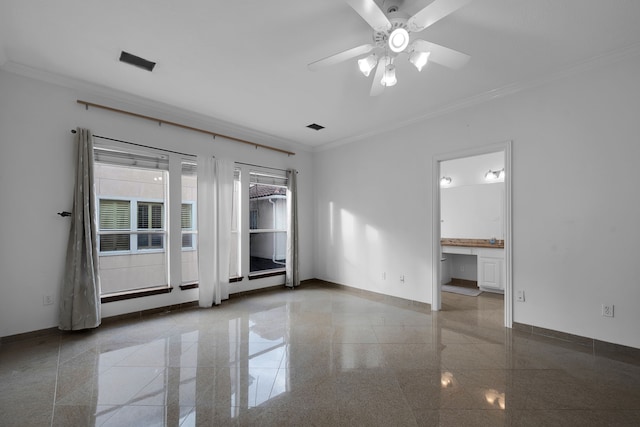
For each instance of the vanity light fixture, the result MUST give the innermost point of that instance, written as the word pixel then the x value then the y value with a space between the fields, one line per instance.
pixel 445 180
pixel 494 175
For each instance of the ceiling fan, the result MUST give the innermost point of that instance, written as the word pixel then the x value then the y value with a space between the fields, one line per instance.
pixel 392 36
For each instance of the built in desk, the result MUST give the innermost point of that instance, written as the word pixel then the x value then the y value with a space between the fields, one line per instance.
pixel 489 255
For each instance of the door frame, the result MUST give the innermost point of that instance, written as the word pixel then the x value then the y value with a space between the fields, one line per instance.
pixel 436 298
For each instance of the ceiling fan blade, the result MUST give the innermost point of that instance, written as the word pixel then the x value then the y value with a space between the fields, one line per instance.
pixel 342 56
pixel 371 13
pixel 433 13
pixel 376 86
pixel 442 55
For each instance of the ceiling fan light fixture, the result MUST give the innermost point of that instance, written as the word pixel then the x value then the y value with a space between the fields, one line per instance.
pixel 419 59
pixel 367 64
pixel 398 40
pixel 389 77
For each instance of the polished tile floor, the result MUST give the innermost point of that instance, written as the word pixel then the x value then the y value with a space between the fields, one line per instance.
pixel 319 355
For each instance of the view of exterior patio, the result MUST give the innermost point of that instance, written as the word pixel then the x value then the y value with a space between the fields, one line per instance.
pixel 268 227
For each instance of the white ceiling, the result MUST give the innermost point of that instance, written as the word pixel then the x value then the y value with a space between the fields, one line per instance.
pixel 245 61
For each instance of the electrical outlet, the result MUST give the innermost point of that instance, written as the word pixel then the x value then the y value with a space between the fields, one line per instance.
pixel 520 296
pixel 607 310
pixel 47 300
pixel 402 278
pixel 384 275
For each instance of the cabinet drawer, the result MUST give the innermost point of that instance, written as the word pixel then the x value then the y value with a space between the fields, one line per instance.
pixel 458 250
pixel 490 252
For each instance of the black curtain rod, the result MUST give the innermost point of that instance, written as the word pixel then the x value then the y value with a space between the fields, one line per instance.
pixel 140 145
pixel 261 167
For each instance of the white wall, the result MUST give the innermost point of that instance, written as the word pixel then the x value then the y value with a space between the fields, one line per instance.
pixel 472 212
pixel 575 201
pixel 36 181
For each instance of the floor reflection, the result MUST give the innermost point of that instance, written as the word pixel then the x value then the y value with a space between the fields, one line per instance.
pixel 237 367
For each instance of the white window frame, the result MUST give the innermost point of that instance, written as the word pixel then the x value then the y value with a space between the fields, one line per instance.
pixel 134 231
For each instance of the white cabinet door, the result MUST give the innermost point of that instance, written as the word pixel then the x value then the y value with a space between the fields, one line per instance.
pixel 490 273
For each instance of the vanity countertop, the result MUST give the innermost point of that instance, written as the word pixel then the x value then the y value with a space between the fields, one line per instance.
pixel 473 243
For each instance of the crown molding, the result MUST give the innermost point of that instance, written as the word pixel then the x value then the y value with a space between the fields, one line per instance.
pixel 119 99
pixel 574 69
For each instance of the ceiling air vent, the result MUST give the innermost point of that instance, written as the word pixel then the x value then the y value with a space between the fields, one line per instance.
pixel 315 126
pixel 136 61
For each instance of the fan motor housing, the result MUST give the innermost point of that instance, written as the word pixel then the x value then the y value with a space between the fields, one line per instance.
pixel 398 20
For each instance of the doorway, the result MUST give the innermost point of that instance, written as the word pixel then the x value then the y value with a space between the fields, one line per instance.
pixel 505 149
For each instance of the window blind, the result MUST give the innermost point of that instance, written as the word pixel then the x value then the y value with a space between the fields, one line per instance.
pixel 267 179
pixel 186 215
pixel 114 215
pixel 123 156
pixel 189 168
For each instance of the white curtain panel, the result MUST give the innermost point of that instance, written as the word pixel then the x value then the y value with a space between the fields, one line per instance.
pixel 292 278
pixel 80 297
pixel 215 194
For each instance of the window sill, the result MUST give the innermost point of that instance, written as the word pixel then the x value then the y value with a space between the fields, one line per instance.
pixel 138 293
pixel 195 285
pixel 267 274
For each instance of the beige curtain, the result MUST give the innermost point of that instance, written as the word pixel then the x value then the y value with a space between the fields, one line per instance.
pixel 80 296
pixel 292 277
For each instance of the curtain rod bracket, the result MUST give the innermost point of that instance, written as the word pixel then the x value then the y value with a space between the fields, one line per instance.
pixel 73 131
pixel 64 214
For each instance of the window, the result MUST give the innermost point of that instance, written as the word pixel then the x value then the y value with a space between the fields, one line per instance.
pixel 135 250
pixel 188 223
pixel 267 222
pixel 117 215
pixel 235 267
pixel 114 216
pixel 131 189
pixel 150 217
